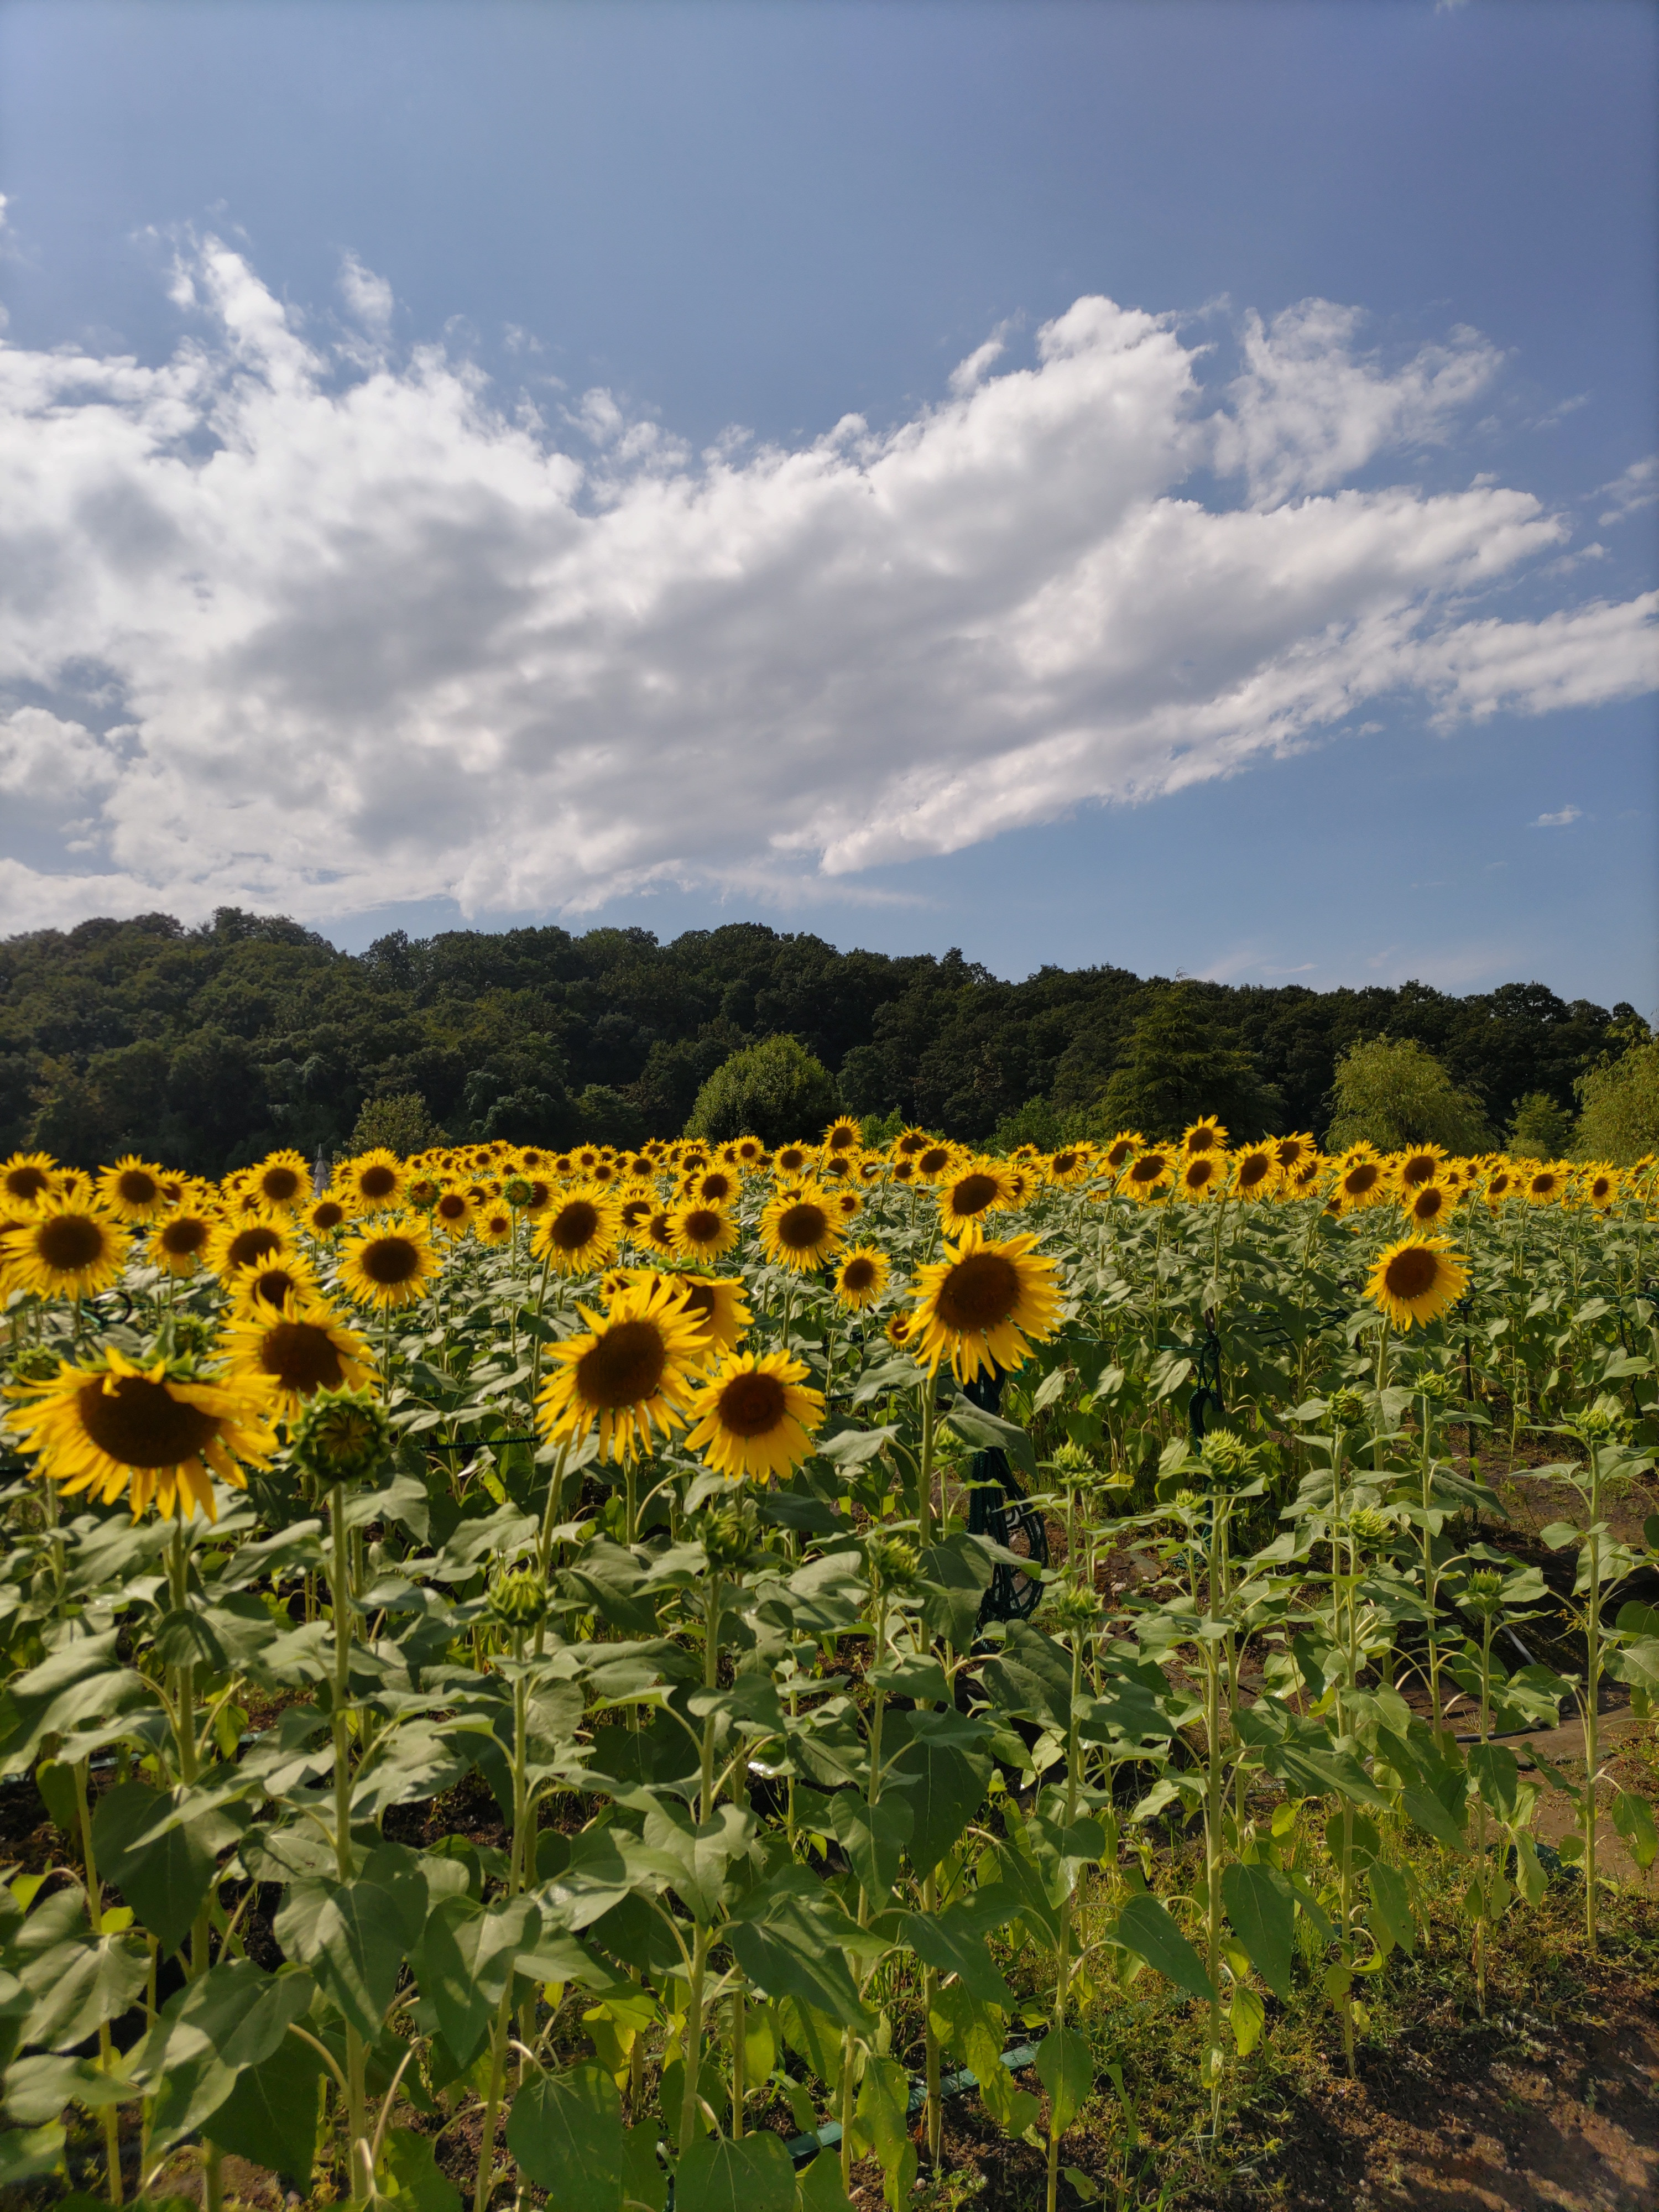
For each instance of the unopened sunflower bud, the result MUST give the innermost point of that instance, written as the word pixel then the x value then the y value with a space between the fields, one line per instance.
pixel 1073 1466
pixel 518 1599
pixel 1367 1525
pixel 728 1534
pixel 1600 1424
pixel 341 1435
pixel 1074 1609
pixel 1347 1407
pixel 517 1193
pixel 892 1563
pixel 1483 1594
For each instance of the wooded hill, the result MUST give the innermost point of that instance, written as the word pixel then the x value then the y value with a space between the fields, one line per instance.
pixel 204 1047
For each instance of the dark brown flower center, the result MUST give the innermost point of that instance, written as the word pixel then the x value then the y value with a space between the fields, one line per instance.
pixel 979 1291
pixel 452 1206
pixel 140 1424
pixel 69 1241
pixel 390 1261
pixel 1410 1274
pixel 273 1285
pixel 1252 1169
pixel 1418 1168
pixel 301 1358
pixel 574 1225
pixel 859 1274
pixel 624 1366
pixel 27 1182
pixel 280 1184
pixel 135 1187
pixel 753 1405
pixel 1361 1178
pixel 327 1213
pixel 973 1193
pixel 250 1245
pixel 183 1236
pixel 378 1181
pixel 802 1226
pixel 701 1223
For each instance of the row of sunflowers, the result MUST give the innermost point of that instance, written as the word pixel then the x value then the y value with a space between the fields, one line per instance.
pixel 591 1671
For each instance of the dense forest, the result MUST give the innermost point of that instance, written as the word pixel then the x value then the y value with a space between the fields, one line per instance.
pixel 202 1048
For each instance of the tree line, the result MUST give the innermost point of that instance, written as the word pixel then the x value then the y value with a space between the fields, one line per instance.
pixel 204 1047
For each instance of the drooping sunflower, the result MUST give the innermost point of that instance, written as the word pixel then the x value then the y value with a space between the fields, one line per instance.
pixel 325 1216
pixel 978 1187
pixel 245 1243
pixel 982 1303
pixel 1255 1172
pixel 132 1190
pixel 861 1277
pixel 26 1179
pixel 292 1348
pixel 156 1432
pixel 389 1266
pixel 717 1304
pixel 283 1181
pixel 1122 1150
pixel 1293 1151
pixel 179 1240
pixel 1421 1163
pixel 1362 1177
pixel 755 1416
pixel 1147 1173
pixel 66 1251
pixel 1023 1182
pixel 1431 1205
pixel 1203 1176
pixel 373 1182
pixel 702 1231
pixel 1203 1135
pixel 800 1228
pixel 578 1231
pixel 1417 1278
pixel 630 1373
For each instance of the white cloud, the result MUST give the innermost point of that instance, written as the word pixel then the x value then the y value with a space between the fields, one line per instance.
pixel 370 635
pixel 1639 487
pixel 1568 814
pixel 367 296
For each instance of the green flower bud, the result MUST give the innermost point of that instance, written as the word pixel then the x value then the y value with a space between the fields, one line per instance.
pixel 1073 1609
pixel 1434 1386
pixel 1605 1422
pixel 892 1563
pixel 518 1599
pixel 341 1435
pixel 1483 1594
pixel 1347 1408
pixel 1074 1466
pixel 729 1534
pixel 519 1193
pixel 1229 1462
pixel 1366 1525
pixel 34 1363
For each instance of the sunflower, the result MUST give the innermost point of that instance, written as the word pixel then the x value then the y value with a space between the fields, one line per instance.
pixel 861 1277
pixel 692 1157
pixel 132 1190
pixel 978 1187
pixel 1122 1150
pixel 755 1416
pixel 1362 1178
pixel 847 1205
pixel 1303 1180
pixel 180 1242
pixel 1430 1205
pixel 716 1302
pixel 716 1186
pixel 283 1181
pixel 790 1160
pixel 153 1431
pixel 26 1179
pixel 749 1152
pixel 903 1170
pixel 1501 1181
pixel 844 1134
pixel 629 1374
pixel 1293 1151
pixel 1203 1176
pixel 271 1280
pixel 872 1168
pixel 373 1182
pixel 1420 1165
pixel 901 1328
pixel 1545 1185
pixel 1255 1172
pixel 451 1212
pixel 1599 1186
pixel 1071 1163
pixel 63 1251
pixel 1203 1135
pixel 605 1172
pixel 1023 1183
pixel 654 1231
pixel 242 1243
pixel 703 1231
pixel 492 1224
pixel 1147 1173
pixel 800 1229
pixel 1416 1278
pixel 578 1231
pixel 291 1347
pixel 388 1266
pixel 982 1301
pixel 324 1216
pixel 935 1161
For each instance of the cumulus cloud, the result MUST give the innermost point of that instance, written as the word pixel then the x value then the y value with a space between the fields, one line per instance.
pixel 1636 488
pixel 320 629
pixel 1563 820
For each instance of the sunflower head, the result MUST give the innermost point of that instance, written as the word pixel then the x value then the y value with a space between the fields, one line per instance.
pixel 1148 1172
pixel 133 1190
pixel 861 1277
pixel 1255 1171
pixel 754 1415
pixel 1417 1278
pixel 451 1212
pixel 629 1374
pixel 1203 1135
pixel 982 1303
pixel 1429 1205
pixel 518 1600
pixel 373 1181
pixel 1420 1165
pixel 27 1178
pixel 702 1231
pixel 844 1135
pixel 325 1216
pixel 294 1349
pixel 180 1242
pixel 388 1266
pixel 800 1228
pixel 577 1231
pixel 979 1187
pixel 343 1436
pixel 1203 1176
pixel 1122 1150
pixel 283 1181
pixel 65 1248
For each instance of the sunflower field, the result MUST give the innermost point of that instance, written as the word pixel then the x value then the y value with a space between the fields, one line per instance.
pixel 648 1679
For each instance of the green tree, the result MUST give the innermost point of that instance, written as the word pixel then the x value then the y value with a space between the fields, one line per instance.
pixel 1541 1130
pixel 399 1122
pixel 773 1091
pixel 1395 1092
pixel 604 1116
pixel 1176 1066
pixel 1619 1101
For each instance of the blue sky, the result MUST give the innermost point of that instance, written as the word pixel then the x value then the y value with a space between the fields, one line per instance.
pixel 417 435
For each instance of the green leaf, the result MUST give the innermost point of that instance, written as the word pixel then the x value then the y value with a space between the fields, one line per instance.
pixel 1431 1816
pixel 411 2179
pixel 27 2153
pixel 989 1431
pixel 566 2131
pixel 1391 1906
pixel 884 2122
pixel 950 1943
pixel 36 2089
pixel 821 2187
pixel 1066 2072
pixel 1145 1927
pixel 164 1876
pixel 644 2182
pixel 752 2174
pixel 1633 1818
pixel 873 1838
pixel 1246 2015
pixel 77 1989
pixel 814 2036
pixel 56 1783
pixel 956 1575
pixel 950 1774
pixel 1530 1878
pixel 1262 1910
pixel 788 1954
pixel 76 1693
pixel 1496 1777
pixel 358 1950
pixel 269 2117
pixel 1032 1678
pixel 466 1956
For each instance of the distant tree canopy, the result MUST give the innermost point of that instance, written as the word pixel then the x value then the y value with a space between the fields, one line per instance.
pixel 1620 1118
pixel 1393 1093
pixel 773 1091
pixel 204 1047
